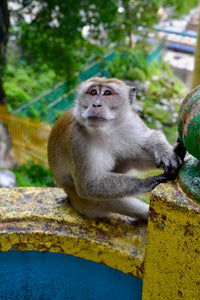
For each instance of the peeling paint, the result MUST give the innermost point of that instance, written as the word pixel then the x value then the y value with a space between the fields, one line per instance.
pixel 189 121
pixel 189 178
pixel 172 260
pixel 42 219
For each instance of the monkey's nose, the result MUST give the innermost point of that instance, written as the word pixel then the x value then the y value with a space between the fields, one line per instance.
pixel 96 105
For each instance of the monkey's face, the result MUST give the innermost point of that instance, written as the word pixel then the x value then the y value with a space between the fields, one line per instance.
pixel 101 104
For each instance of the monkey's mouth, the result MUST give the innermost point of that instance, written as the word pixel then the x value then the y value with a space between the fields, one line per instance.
pixel 97 119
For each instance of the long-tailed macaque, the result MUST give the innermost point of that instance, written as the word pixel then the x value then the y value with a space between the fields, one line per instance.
pixel 92 147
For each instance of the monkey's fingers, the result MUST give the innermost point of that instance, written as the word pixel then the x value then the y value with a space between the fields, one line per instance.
pixel 168 165
pixel 168 162
pixel 158 162
pixel 155 180
pixel 180 149
pixel 172 165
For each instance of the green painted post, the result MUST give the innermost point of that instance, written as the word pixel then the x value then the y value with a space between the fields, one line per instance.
pixel 189 133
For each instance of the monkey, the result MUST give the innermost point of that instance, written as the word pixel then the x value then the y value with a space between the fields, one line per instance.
pixel 94 145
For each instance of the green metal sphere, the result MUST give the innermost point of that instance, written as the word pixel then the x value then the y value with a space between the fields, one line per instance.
pixel 189 133
pixel 189 122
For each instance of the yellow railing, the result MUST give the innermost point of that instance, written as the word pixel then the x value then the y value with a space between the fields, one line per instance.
pixel 29 137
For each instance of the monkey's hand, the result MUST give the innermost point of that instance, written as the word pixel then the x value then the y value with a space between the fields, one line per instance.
pixel 171 159
pixel 151 182
pixel 180 149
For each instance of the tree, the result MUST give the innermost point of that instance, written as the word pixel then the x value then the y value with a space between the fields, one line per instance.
pixel 54 34
pixel 136 16
pixel 4 26
pixel 180 7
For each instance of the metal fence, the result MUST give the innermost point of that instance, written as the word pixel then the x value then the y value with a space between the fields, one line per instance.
pixel 29 137
pixel 56 100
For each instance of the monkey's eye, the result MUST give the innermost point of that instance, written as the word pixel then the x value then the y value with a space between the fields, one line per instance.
pixel 93 92
pixel 107 93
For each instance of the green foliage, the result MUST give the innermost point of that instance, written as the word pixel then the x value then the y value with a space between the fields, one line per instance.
pixel 159 106
pixel 54 35
pixel 129 65
pixel 163 84
pixel 52 44
pixel 34 113
pixel 180 7
pixel 133 17
pixel 136 73
pixel 158 67
pixel 171 133
pixel 33 175
pixel 23 81
pixel 15 95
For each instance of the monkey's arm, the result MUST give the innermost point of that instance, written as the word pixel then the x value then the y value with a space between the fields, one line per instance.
pixel 113 185
pixel 165 155
pixel 154 149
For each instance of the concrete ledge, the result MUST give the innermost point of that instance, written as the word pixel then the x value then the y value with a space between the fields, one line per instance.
pixel 172 260
pixel 42 219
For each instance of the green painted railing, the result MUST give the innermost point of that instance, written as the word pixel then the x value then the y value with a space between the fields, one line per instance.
pixel 56 100
pixel 59 98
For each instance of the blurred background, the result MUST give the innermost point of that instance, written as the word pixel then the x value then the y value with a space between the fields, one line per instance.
pixel 48 47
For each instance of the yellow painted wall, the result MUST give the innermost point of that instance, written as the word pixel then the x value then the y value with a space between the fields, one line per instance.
pixel 42 219
pixel 166 254
pixel 172 261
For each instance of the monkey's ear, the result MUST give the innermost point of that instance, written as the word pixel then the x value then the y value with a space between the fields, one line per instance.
pixel 132 94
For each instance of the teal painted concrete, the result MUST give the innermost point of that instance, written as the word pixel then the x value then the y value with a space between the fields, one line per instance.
pixel 44 275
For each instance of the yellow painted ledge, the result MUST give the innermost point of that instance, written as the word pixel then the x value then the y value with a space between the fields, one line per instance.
pixel 172 261
pixel 42 219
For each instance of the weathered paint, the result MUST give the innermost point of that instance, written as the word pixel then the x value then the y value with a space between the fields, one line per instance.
pixel 189 122
pixel 42 219
pixel 189 133
pixel 189 178
pixel 172 261
pixel 33 275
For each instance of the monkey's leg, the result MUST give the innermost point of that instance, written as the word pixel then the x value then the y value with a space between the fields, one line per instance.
pixel 129 206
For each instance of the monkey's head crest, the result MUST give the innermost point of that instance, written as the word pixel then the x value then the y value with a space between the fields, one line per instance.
pixel 106 80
